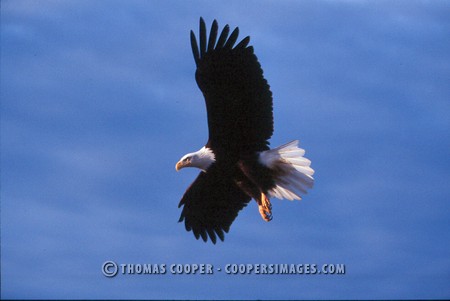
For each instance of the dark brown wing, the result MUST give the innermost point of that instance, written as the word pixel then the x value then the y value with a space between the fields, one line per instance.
pixel 211 203
pixel 238 98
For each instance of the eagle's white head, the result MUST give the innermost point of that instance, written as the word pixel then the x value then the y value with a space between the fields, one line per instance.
pixel 201 159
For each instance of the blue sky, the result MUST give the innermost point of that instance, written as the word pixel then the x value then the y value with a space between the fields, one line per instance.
pixel 99 101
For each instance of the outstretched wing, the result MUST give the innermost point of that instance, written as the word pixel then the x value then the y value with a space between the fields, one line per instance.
pixel 211 203
pixel 238 98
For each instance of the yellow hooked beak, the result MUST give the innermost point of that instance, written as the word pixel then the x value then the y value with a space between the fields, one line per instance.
pixel 182 164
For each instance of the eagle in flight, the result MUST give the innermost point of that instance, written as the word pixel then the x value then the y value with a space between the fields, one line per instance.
pixel 236 163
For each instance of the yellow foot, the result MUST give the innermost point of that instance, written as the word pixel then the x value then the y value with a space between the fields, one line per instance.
pixel 265 208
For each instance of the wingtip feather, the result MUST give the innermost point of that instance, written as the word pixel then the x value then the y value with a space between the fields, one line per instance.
pixel 213 35
pixel 243 43
pixel 223 37
pixel 232 39
pixel 194 46
pixel 212 235
pixel 202 37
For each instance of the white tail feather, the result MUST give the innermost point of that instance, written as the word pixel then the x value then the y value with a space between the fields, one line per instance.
pixel 294 174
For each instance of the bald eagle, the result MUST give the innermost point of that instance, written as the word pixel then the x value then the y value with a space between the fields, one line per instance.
pixel 236 163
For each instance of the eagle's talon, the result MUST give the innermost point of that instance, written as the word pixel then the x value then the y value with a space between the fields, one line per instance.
pixel 265 208
pixel 266 215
